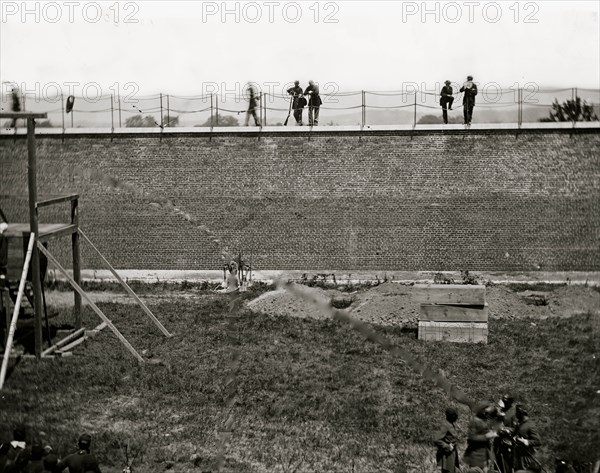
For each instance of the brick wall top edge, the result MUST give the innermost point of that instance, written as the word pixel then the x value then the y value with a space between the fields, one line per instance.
pixel 329 131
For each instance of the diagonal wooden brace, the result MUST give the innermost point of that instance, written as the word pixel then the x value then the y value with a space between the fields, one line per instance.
pixel 95 308
pixel 127 288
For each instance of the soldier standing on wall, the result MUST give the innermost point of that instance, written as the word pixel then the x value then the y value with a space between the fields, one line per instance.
pixel 298 102
pixel 252 106
pixel 314 102
pixel 470 90
pixel 446 100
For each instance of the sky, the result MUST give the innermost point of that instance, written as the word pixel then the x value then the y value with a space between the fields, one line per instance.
pixel 193 47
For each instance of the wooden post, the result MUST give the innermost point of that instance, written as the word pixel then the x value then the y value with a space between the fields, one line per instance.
pixel 13 323
pixel 217 110
pixel 119 98
pixel 127 288
pixel 161 111
pixel 363 109
pixel 33 226
pixel 168 112
pixel 415 112
pixel 76 262
pixel 112 114
pixel 62 102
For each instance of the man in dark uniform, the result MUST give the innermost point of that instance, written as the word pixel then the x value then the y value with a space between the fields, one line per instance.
pixel 15 455
pixel 526 442
pixel 446 100
pixel 470 90
pixel 81 461
pixel 298 101
pixel 50 463
pixel 445 440
pixel 479 453
pixel 252 106
pixel 314 102
pixel 503 445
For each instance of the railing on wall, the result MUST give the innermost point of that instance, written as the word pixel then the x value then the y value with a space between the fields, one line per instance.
pixel 363 108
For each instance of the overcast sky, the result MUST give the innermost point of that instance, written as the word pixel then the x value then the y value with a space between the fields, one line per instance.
pixel 186 47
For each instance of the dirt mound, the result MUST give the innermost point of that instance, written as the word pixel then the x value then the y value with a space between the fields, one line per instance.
pixel 393 304
pixel 386 304
pixel 282 302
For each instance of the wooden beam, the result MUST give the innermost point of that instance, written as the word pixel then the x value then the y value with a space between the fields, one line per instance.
pixel 460 332
pixel 56 200
pixel 449 294
pixel 71 345
pixel 57 233
pixel 76 261
pixel 128 289
pixel 453 313
pixel 15 316
pixel 23 115
pixel 91 303
pixel 36 280
pixel 68 338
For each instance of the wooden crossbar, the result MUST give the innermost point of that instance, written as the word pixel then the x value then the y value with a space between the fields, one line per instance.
pixel 127 288
pixel 94 307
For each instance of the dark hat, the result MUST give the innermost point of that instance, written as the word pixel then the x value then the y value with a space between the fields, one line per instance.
pixel 19 433
pixel 469 77
pixel 37 452
pixel 85 439
pixel 297 82
pixel 50 461
pixel 448 82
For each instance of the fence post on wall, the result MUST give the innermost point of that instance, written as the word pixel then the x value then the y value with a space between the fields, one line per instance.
pixel 211 110
pixel 520 107
pixel 161 112
pixel 119 98
pixel 265 114
pixel 260 107
pixel 217 109
pixel 363 108
pixel 62 107
pixel 112 113
pixel 415 112
pixel 168 112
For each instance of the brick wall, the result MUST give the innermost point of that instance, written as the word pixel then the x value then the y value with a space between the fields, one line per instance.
pixel 339 200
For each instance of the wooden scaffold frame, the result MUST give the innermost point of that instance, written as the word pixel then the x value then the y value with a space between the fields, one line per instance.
pixel 41 233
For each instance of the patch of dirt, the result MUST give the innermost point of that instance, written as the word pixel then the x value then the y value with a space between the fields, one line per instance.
pixel 392 304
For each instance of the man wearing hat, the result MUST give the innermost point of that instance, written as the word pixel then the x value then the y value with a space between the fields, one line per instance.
pixel 479 453
pixel 445 440
pixel 470 90
pixel 314 102
pixel 526 442
pixel 298 103
pixel 81 461
pixel 446 100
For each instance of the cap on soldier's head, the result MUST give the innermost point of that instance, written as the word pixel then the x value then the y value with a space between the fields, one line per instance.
pixel 85 440
pixel 469 77
pixel 50 461
pixel 296 82
pixel 447 82
pixel 19 433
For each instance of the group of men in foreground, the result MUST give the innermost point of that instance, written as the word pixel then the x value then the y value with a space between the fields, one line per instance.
pixel 19 457
pixel 500 439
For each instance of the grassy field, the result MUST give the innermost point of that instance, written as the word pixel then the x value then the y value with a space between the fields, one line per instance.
pixel 312 395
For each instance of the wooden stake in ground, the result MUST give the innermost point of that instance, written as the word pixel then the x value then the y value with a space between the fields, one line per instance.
pixel 15 316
